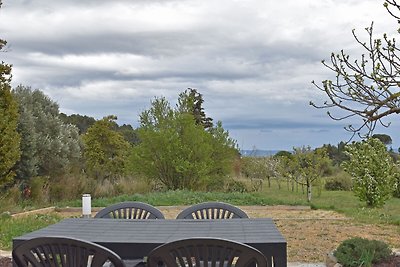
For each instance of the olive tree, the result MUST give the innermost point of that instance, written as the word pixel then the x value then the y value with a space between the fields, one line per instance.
pixel 49 147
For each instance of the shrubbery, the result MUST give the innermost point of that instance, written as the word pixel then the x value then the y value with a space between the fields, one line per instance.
pixel 339 182
pixel 358 251
pixel 372 170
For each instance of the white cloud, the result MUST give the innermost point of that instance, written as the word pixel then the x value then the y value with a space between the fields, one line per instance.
pixel 252 60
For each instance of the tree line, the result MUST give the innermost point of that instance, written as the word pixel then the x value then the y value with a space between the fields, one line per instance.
pixel 175 147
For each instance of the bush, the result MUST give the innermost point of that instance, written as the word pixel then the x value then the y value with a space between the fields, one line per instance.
pixel 235 186
pixel 39 189
pixel 358 251
pixel 372 170
pixel 340 182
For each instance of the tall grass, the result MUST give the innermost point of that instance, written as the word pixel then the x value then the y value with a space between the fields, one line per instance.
pixel 12 227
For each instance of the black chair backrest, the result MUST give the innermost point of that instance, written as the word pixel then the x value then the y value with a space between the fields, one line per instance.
pixel 212 210
pixel 130 210
pixel 203 252
pixel 63 252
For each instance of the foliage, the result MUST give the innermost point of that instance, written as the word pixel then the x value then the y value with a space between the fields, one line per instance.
pixel 261 168
pixel 106 151
pixel 372 170
pixel 341 181
pixel 128 133
pixel 358 251
pixel 191 101
pixel 9 137
pixel 396 192
pixel 310 166
pixel 336 153
pixel 283 153
pixel 233 185
pixel 180 153
pixel 384 138
pixel 367 88
pixel 81 122
pixel 84 122
pixel 49 147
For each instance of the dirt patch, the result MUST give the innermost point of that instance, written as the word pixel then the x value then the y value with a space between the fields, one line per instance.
pixel 310 234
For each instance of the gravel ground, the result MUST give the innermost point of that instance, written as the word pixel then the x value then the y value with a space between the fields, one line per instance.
pixel 311 234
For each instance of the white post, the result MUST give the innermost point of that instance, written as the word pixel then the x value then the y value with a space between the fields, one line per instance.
pixel 86 206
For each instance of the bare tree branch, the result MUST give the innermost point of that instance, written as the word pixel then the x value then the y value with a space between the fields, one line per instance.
pixel 367 87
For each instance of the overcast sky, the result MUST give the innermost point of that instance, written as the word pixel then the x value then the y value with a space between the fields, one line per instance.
pixel 253 60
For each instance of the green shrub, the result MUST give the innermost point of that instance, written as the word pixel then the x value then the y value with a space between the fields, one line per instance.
pixel 38 189
pixel 235 186
pixel 358 251
pixel 340 182
pixel 372 170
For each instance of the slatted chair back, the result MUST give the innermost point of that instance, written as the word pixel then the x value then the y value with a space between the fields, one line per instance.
pixel 204 252
pixel 212 210
pixel 130 210
pixel 63 252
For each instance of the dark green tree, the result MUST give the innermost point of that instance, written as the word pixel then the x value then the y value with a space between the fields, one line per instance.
pixel 82 122
pixel 384 138
pixel 192 101
pixel 336 153
pixel 368 87
pixel 128 133
pixel 9 137
pixel 283 153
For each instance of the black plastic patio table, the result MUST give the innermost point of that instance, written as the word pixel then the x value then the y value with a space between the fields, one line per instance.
pixel 133 239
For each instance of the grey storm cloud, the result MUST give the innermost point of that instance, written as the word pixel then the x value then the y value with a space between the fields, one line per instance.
pixel 253 61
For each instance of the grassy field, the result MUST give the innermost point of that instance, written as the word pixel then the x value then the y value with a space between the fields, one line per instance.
pixel 340 201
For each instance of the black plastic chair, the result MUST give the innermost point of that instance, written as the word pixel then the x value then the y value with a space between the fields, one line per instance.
pixel 203 252
pixel 130 210
pixel 212 210
pixel 63 252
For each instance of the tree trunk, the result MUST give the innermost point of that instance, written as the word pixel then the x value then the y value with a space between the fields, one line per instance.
pixel 309 192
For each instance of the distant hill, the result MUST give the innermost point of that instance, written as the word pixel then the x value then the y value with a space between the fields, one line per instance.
pixel 258 153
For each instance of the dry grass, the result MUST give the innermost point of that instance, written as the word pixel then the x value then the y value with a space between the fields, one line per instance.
pixel 311 234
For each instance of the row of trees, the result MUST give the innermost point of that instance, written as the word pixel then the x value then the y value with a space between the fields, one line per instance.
pixel 371 169
pixel 304 167
pixel 175 147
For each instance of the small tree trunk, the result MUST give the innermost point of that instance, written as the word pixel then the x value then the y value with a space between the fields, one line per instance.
pixel 309 192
